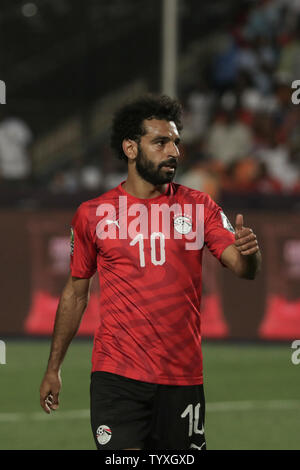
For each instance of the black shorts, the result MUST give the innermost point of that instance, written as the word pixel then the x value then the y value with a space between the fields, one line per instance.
pixel 127 413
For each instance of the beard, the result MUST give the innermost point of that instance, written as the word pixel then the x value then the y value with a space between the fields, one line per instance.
pixel 156 175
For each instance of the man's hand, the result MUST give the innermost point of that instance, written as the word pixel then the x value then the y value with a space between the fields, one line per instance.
pixel 49 391
pixel 243 257
pixel 245 239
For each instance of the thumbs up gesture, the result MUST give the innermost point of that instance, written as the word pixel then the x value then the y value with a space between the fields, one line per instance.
pixel 245 239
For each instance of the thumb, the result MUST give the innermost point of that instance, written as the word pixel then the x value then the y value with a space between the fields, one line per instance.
pixel 239 222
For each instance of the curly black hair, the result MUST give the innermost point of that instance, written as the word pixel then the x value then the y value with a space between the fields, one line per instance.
pixel 128 120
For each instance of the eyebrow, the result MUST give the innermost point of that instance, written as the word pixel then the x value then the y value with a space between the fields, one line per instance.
pixel 165 139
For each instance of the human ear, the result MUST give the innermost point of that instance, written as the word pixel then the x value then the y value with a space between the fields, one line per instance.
pixel 130 148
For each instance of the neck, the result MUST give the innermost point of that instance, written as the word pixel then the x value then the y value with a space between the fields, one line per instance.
pixel 142 189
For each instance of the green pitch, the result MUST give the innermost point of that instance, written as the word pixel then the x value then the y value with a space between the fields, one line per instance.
pixel 252 394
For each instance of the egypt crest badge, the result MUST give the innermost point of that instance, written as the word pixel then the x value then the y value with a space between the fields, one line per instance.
pixel 226 223
pixel 183 224
pixel 103 434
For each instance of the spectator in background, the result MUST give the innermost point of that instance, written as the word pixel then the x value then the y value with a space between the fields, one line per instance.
pixel 15 164
pixel 280 166
pixel 289 60
pixel 64 181
pixel 199 105
pixel 251 99
pixel 91 178
pixel 264 19
pixel 274 152
pixel 113 169
pixel 290 12
pixel 249 175
pixel 258 58
pixel 225 65
pixel 203 173
pixel 228 138
pixel 202 177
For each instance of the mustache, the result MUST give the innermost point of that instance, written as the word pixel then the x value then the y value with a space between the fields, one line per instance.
pixel 170 163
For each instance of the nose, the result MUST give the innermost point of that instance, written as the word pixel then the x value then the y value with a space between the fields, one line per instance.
pixel 173 150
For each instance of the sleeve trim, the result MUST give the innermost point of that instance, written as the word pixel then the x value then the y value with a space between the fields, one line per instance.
pixel 82 275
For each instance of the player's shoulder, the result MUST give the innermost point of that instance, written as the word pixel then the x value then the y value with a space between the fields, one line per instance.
pixel 188 194
pixel 109 197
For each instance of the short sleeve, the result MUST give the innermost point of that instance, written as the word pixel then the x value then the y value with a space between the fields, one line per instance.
pixel 218 231
pixel 83 250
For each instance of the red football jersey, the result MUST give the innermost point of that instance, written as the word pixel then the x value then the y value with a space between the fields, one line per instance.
pixel 148 253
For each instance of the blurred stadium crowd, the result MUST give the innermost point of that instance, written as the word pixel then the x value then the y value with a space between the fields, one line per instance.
pixel 241 129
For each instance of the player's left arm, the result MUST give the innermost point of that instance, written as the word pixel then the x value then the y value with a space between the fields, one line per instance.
pixel 244 256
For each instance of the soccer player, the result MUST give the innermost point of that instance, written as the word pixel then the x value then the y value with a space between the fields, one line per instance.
pixel 146 238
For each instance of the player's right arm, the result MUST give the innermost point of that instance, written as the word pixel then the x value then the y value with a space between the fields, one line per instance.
pixel 73 302
pixel 72 305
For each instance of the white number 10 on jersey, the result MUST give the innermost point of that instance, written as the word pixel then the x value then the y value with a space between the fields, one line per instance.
pixel 140 240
